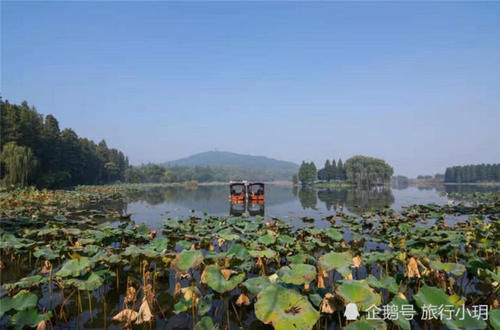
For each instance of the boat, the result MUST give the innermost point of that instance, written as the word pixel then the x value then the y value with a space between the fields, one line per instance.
pixel 237 191
pixel 255 191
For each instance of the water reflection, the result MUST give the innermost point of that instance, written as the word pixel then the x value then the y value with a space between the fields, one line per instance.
pixel 355 200
pixel 155 205
pixel 255 209
pixel 308 199
pixel 237 209
pixel 252 209
pixel 359 201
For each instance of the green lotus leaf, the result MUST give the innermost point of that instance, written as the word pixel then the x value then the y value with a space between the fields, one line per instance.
pixel 360 293
pixel 45 253
pixel 495 276
pixel 238 251
pixel 266 239
pixel 494 318
pixel 257 284
pixel 205 323
pixel 60 218
pixel 285 239
pixel 228 237
pixel 315 241
pixel 19 302
pixel 448 267
pixel 267 253
pixel 28 317
pixel 91 250
pixel 334 234
pixel 285 309
pixel 388 283
pixel 428 295
pixel 75 267
pixel 182 305
pixel 26 282
pixel 297 274
pixel 338 261
pixel 401 321
pixel 71 231
pixel 184 244
pixel 218 283
pixel 300 258
pixel 5 305
pixel 316 299
pixel 187 260
pixel 11 241
pixel 374 257
pixel 47 231
pixel 205 304
pixel 89 282
pixel 133 250
pixel 156 247
pixel 364 324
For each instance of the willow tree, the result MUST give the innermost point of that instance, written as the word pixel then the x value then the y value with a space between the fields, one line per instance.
pixel 18 162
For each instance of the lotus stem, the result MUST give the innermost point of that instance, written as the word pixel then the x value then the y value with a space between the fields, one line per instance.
pixel 226 306
pixel 90 305
pixel 80 301
pixel 50 285
pixel 117 279
pixel 104 307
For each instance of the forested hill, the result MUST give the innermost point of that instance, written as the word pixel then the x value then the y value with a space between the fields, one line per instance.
pixel 223 158
pixel 34 150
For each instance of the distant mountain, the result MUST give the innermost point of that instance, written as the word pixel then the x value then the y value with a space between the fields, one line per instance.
pixel 223 158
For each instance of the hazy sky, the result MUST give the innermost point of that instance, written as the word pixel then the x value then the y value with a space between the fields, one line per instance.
pixel 415 84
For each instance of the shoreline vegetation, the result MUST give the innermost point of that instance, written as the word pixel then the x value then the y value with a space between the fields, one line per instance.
pixel 360 171
pixel 67 260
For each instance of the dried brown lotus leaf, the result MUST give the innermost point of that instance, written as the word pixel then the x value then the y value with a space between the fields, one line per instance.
pixel 243 300
pixel 126 315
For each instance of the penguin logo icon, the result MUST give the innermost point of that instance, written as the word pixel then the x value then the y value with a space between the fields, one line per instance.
pixel 351 312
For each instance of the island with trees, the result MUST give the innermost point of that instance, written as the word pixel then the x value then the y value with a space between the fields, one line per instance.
pixel 357 171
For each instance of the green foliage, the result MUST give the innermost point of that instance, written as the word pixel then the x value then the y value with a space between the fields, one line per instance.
pixel 473 173
pixel 359 293
pixel 307 173
pixel 285 309
pixel 297 274
pixel 218 283
pixel 361 170
pixel 19 164
pixel 61 157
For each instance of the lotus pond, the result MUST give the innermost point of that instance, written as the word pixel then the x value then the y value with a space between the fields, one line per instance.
pixel 78 259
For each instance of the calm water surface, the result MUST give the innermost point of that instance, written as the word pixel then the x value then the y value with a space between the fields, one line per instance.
pixel 285 202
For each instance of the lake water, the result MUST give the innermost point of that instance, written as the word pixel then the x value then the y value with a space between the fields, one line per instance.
pixel 285 202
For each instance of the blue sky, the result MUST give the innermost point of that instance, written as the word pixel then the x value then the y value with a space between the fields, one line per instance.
pixel 417 84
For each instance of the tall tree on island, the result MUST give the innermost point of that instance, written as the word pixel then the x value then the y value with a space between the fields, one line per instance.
pixel 307 173
pixel 324 173
pixel 332 172
pixel 340 170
